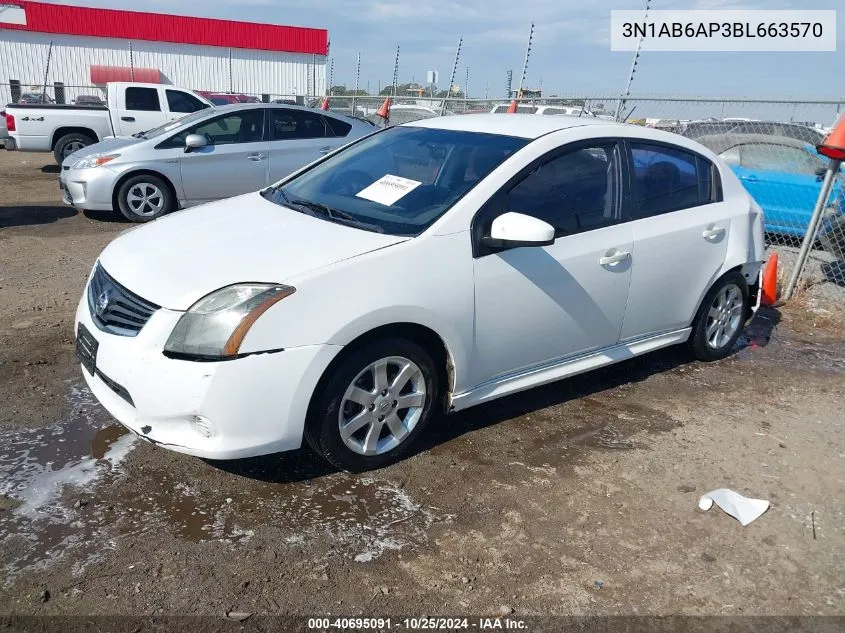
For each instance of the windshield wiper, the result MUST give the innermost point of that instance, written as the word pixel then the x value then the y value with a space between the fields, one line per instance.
pixel 333 214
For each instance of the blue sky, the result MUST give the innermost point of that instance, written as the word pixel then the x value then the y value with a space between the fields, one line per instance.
pixel 570 54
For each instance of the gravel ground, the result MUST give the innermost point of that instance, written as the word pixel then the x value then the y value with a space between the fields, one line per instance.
pixel 580 497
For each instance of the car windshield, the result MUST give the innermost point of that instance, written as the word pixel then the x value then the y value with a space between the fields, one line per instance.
pixel 397 181
pixel 173 125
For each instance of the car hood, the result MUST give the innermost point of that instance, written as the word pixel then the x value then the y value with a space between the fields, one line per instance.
pixel 106 146
pixel 178 259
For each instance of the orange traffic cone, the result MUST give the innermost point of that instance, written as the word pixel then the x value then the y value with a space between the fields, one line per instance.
pixel 384 110
pixel 769 291
pixel 512 107
pixel 833 146
pixel 325 104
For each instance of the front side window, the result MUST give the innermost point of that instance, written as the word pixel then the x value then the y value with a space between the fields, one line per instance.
pixel 574 192
pixel 668 179
pixel 238 127
pixel 179 101
pixel 770 157
pixel 287 125
pixel 143 99
pixel 397 181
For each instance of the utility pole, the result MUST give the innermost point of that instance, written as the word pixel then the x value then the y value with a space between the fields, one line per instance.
pixel 396 71
pixel 357 78
pixel 620 104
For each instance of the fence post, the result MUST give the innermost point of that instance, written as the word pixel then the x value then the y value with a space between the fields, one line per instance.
pixel 47 72
pixel 810 236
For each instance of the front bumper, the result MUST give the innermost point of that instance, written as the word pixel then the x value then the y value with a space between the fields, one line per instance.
pixel 255 405
pixel 88 188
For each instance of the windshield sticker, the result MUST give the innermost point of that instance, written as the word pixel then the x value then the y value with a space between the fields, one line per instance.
pixel 388 189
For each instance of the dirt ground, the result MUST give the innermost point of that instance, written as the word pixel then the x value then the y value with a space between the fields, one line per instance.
pixel 577 498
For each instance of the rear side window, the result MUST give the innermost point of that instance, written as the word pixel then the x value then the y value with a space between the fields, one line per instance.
pixel 667 179
pixel 337 127
pixel 179 101
pixel 144 99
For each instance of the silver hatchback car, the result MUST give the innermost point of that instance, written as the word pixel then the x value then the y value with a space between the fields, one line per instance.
pixel 211 154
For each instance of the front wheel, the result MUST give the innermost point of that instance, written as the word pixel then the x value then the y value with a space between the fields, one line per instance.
pixel 144 197
pixel 720 318
pixel 373 405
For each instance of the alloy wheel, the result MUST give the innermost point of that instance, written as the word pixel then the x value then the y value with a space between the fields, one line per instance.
pixel 145 199
pixel 724 317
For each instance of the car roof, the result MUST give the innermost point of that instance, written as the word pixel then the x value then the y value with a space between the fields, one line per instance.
pixel 718 143
pixel 276 106
pixel 529 126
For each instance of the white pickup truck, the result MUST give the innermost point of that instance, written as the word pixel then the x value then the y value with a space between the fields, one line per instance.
pixel 64 129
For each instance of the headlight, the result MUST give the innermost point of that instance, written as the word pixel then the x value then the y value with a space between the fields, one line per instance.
pixel 94 160
pixel 215 326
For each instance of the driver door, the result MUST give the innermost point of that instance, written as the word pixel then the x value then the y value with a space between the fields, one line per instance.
pixel 234 162
pixel 540 305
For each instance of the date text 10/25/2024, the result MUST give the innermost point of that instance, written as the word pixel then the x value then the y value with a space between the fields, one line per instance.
pixel 416 624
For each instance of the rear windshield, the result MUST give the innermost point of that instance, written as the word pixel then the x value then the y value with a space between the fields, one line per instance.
pixel 401 180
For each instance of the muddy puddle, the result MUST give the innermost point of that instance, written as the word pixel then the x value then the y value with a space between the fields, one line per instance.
pixel 70 493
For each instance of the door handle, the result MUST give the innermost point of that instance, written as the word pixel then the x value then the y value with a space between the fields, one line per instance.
pixel 749 178
pixel 325 150
pixel 256 157
pixel 713 232
pixel 615 258
pixel 128 119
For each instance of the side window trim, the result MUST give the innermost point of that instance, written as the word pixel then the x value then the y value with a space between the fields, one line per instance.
pixel 716 194
pixel 482 215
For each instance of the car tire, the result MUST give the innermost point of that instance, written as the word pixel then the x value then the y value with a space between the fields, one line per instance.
pixel 144 197
pixel 379 430
pixel 69 143
pixel 720 318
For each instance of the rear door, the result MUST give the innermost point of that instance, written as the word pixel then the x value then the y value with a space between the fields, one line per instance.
pixel 297 137
pixel 138 109
pixel 680 229
pixel 234 161
pixel 179 103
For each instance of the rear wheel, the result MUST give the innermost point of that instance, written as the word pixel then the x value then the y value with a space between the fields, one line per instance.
pixel 144 197
pixel 373 405
pixel 70 143
pixel 720 318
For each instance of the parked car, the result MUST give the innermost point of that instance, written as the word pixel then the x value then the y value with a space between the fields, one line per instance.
pixel 89 100
pixel 422 269
pixel 401 113
pixel 34 97
pixel 698 129
pixel 131 108
pixel 208 155
pixel 225 98
pixel 783 175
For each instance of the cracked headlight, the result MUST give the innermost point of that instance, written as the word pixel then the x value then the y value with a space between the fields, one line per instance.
pixel 215 326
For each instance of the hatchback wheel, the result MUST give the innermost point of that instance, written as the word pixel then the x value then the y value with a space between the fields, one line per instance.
pixel 143 198
pixel 720 318
pixel 373 405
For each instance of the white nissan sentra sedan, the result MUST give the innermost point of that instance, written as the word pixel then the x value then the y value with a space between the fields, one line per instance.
pixel 426 268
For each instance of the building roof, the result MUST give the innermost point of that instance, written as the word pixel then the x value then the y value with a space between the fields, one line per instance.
pixel 42 17
pixel 522 125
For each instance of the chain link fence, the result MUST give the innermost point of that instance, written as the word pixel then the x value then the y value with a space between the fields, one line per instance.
pixel 770 146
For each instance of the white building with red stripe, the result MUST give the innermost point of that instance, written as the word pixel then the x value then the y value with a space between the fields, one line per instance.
pixel 74 49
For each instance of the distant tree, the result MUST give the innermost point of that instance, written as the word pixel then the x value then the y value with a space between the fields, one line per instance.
pixel 402 90
pixel 446 93
pixel 339 91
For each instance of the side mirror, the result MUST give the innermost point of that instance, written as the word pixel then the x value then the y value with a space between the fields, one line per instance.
pixel 511 230
pixel 195 141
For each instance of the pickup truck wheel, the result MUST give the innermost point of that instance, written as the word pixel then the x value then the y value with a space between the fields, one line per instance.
pixel 144 197
pixel 70 143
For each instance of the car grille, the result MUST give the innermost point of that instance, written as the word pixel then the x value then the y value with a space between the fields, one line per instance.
pixel 114 309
